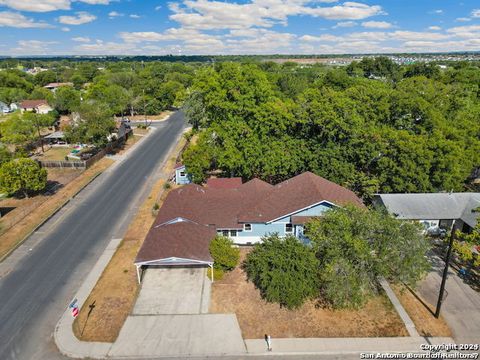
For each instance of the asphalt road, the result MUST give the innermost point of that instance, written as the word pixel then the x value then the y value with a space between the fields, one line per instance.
pixel 46 271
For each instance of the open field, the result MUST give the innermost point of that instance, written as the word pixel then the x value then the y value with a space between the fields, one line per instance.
pixel 256 317
pixel 42 206
pixel 422 317
pixel 116 290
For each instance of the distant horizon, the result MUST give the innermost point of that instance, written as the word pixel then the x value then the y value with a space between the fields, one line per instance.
pixel 304 56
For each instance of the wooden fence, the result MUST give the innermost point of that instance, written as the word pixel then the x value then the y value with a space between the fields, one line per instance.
pixel 85 164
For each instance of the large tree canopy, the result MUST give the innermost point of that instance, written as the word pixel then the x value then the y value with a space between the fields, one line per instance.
pixel 389 130
pixel 356 246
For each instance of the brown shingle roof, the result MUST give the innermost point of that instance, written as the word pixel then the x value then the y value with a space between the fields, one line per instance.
pixel 224 183
pixel 185 239
pixel 31 104
pixel 297 193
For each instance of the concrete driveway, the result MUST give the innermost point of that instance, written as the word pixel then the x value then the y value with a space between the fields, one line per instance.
pixel 173 290
pixel 461 305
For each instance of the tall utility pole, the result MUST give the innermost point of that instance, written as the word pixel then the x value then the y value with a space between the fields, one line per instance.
pixel 445 271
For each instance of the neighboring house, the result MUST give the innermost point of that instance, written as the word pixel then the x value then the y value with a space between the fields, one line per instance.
pixel 38 106
pixel 54 86
pixel 4 108
pixel 181 176
pixel 192 215
pixel 13 107
pixel 433 210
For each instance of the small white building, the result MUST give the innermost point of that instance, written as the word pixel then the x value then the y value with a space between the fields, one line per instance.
pixel 181 176
pixel 38 106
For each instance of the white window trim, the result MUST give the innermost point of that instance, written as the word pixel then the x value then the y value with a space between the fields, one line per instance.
pixel 245 229
pixel 288 232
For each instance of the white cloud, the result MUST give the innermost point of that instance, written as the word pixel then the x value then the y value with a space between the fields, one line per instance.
pixel 344 24
pixel 377 24
pixel 37 5
pixel 65 29
pixel 81 39
pixel 476 13
pixel 466 32
pixel 438 11
pixel 114 14
pixel 434 28
pixel 81 17
pixel 46 5
pixel 32 47
pixel 212 14
pixel 96 2
pixel 135 16
pixel 17 20
pixel 463 19
pixel 158 7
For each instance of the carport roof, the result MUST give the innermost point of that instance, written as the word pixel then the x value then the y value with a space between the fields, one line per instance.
pixel 180 239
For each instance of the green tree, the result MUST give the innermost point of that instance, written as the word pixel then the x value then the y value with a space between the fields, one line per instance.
pixel 465 243
pixel 96 123
pixel 356 246
pixel 66 99
pixel 284 270
pixel 224 254
pixel 22 175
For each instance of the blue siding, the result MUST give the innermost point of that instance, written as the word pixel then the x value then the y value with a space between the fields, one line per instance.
pixel 182 180
pixel 278 226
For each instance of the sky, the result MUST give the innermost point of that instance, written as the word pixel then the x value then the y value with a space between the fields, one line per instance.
pixel 208 27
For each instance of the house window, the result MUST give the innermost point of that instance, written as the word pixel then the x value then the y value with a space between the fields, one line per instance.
pixel 225 232
pixel 182 173
pixel 247 227
pixel 233 233
pixel 288 228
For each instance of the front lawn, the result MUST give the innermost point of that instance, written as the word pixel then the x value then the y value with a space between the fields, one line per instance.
pixel 233 294
pixel 55 154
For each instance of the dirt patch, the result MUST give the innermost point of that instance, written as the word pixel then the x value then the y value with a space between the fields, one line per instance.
pixel 29 213
pixel 115 293
pixel 233 294
pixel 158 117
pixel 421 313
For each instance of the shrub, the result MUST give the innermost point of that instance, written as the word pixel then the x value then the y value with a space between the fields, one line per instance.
pixel 156 206
pixel 224 255
pixel 284 270
pixel 217 274
pixel 167 186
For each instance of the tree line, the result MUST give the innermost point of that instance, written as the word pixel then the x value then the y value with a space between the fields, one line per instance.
pixel 373 126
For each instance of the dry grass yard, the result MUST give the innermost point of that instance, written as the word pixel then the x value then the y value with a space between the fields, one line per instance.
pixel 233 294
pixel 425 322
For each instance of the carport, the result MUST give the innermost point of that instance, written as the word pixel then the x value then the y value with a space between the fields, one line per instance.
pixel 176 243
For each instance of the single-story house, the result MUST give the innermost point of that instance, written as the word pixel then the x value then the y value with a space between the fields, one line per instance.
pixel 55 85
pixel 192 215
pixel 224 183
pixel 38 106
pixel 56 138
pixel 433 210
pixel 181 175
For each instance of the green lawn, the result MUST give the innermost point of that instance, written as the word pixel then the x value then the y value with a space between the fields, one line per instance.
pixel 55 154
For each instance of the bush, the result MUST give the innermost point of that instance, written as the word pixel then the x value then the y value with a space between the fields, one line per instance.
pixel 156 207
pixel 284 270
pixel 224 255
pixel 167 186
pixel 217 274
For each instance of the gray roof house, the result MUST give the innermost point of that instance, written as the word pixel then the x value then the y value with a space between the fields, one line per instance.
pixel 440 207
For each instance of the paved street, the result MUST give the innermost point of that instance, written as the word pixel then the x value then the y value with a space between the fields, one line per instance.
pixel 39 279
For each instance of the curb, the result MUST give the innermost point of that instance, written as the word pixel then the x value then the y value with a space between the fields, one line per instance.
pixel 55 211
